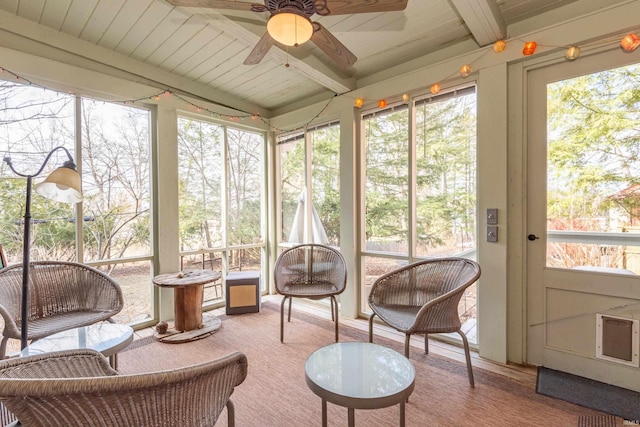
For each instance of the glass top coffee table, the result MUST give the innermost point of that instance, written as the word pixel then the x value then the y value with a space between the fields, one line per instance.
pixel 360 376
pixel 107 338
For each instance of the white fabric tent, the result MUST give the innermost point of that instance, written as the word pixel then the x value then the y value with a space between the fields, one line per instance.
pixel 297 233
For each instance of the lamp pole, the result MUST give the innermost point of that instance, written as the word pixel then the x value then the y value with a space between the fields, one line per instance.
pixel 26 248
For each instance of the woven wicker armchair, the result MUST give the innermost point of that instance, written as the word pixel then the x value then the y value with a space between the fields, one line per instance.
pixel 79 388
pixel 63 295
pixel 422 298
pixel 310 271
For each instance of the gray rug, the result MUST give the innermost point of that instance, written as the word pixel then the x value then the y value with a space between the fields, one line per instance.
pixel 592 394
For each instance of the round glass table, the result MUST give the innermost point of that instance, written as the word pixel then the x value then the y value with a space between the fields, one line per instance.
pixel 107 338
pixel 360 376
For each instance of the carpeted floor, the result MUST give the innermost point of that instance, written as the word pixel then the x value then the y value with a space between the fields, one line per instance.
pixel 275 393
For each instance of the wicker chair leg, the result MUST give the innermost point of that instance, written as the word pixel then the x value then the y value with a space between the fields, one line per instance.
pixel 334 302
pixel 468 357
pixel 3 347
pixel 426 343
pixel 289 317
pixel 231 414
pixel 282 318
pixel 406 345
pixel 371 327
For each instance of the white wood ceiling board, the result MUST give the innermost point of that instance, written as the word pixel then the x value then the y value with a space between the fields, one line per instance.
pixel 54 13
pixel 218 53
pixel 31 9
pixel 100 20
pixel 409 51
pixel 149 21
pixel 77 16
pixel 191 47
pixel 273 86
pixel 126 18
pixel 178 41
pixel 517 10
pixel 10 6
pixel 441 24
pixel 234 74
pixel 157 38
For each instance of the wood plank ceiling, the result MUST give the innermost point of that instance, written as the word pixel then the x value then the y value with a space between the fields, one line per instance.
pixel 207 47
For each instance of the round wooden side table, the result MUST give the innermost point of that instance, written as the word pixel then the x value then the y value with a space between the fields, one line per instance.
pixel 188 290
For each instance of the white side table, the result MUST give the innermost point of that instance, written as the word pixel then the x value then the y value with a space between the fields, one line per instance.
pixel 360 376
pixel 107 338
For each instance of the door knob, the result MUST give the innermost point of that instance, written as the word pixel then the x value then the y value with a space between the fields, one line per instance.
pixel 532 237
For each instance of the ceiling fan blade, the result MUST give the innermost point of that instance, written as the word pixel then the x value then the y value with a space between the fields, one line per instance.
pixel 215 4
pixel 330 45
pixel 343 7
pixel 260 50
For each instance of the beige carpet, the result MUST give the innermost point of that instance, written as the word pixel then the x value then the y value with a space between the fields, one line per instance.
pixel 275 393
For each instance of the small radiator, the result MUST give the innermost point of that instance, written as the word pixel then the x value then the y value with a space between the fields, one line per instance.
pixel 617 339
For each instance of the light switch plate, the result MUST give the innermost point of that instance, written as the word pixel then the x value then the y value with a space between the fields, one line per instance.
pixel 492 233
pixel 492 216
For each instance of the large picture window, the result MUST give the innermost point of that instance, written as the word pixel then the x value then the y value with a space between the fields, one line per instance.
pixel 419 186
pixel 310 170
pixel 221 199
pixel 110 229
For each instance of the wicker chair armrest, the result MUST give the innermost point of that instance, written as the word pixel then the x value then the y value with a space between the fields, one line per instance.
pixel 10 325
pixel 62 364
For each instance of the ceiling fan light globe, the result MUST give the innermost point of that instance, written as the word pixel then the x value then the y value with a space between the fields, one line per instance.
pixel 289 28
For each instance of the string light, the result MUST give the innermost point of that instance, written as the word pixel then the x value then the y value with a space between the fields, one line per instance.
pixel 572 53
pixel 499 46
pixel 529 48
pixel 630 42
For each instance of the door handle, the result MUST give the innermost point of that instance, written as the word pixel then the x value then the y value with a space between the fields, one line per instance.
pixel 532 237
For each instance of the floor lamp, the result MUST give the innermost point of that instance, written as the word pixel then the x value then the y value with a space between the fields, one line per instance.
pixel 62 185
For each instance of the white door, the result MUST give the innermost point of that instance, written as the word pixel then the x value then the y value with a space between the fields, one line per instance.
pixel 583 210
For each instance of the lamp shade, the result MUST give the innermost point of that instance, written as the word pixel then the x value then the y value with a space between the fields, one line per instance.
pixel 289 28
pixel 62 185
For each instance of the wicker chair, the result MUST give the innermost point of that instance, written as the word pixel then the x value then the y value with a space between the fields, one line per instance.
pixel 422 298
pixel 79 388
pixel 310 271
pixel 63 295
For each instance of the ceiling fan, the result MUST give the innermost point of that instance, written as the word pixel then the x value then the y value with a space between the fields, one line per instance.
pixel 289 22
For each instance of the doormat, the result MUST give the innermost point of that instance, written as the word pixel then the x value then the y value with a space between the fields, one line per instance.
pixel 589 393
pixel 597 421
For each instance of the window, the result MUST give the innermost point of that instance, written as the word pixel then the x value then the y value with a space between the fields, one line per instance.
pixel 420 193
pixel 593 190
pixel 314 157
pixel 112 225
pixel 221 199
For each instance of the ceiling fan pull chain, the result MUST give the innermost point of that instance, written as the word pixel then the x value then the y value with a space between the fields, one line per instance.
pixel 287 63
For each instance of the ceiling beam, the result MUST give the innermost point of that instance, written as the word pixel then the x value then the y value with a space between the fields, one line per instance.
pixel 483 18
pixel 310 67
